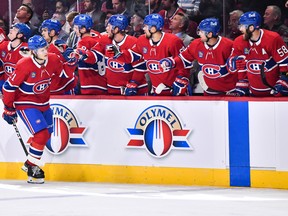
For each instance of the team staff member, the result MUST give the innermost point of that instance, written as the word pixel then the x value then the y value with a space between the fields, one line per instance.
pixel 252 49
pixel 27 93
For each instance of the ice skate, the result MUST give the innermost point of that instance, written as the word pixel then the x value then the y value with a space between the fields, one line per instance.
pixel 25 167
pixel 35 174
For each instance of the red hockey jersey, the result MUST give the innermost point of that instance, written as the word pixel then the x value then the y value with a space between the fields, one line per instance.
pixel 212 61
pixel 270 49
pixel 29 85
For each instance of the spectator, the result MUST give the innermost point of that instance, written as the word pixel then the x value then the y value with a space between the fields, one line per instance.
pixel 191 7
pixel 35 20
pixel 23 15
pixel 92 8
pixel 258 51
pixel 62 6
pixel 272 22
pixel 120 7
pixel 65 27
pixel 233 30
pixel 153 6
pixel 179 25
pixel 137 20
pixel 169 9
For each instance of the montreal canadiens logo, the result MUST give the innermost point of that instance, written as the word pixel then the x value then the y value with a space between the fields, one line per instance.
pixel 67 131
pixel 41 86
pixel 158 130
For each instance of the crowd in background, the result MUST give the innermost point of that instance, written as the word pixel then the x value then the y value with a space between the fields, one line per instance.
pixel 181 17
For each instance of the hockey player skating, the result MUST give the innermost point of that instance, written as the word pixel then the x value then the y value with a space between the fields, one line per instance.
pixel 211 51
pixel 152 47
pixel 27 93
pixel 253 50
pixel 13 49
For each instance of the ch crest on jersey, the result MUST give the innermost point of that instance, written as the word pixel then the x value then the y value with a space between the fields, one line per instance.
pixel 9 69
pixel 41 87
pixel 66 131
pixel 115 66
pixel 159 131
pixel 253 66
pixel 211 71
pixel 153 66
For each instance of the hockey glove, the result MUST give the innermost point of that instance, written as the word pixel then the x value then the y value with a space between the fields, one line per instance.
pixel 281 87
pixel 242 89
pixel 25 51
pixel 9 115
pixel 82 54
pixel 112 51
pixel 167 64
pixel 179 86
pixel 60 44
pixel 70 56
pixel 236 63
pixel 131 88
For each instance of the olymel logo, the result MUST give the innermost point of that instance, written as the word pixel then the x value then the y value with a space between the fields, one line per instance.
pixel 158 130
pixel 67 131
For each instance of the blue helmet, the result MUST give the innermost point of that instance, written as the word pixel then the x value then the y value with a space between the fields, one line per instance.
pixel 119 20
pixel 251 18
pixel 51 24
pixel 36 42
pixel 154 20
pixel 23 29
pixel 210 25
pixel 83 20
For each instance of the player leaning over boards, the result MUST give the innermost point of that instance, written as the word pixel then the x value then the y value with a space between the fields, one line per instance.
pixel 27 91
pixel 50 30
pixel 211 51
pixel 117 75
pixel 12 50
pixel 92 76
pixel 253 49
pixel 153 46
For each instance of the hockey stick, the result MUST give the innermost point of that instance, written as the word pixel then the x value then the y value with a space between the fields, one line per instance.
pixel 263 76
pixel 17 133
pixel 204 86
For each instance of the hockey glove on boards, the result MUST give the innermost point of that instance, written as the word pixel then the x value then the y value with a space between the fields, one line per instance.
pixel 179 86
pixel 131 88
pixel 70 56
pixel 236 63
pixel 281 87
pixel 242 89
pixel 167 64
pixel 9 115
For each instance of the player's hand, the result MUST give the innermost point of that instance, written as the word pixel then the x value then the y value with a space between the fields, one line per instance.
pixel 236 63
pixel 70 56
pixel 167 64
pixel 281 87
pixel 82 54
pixel 131 88
pixel 242 89
pixel 179 86
pixel 9 115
